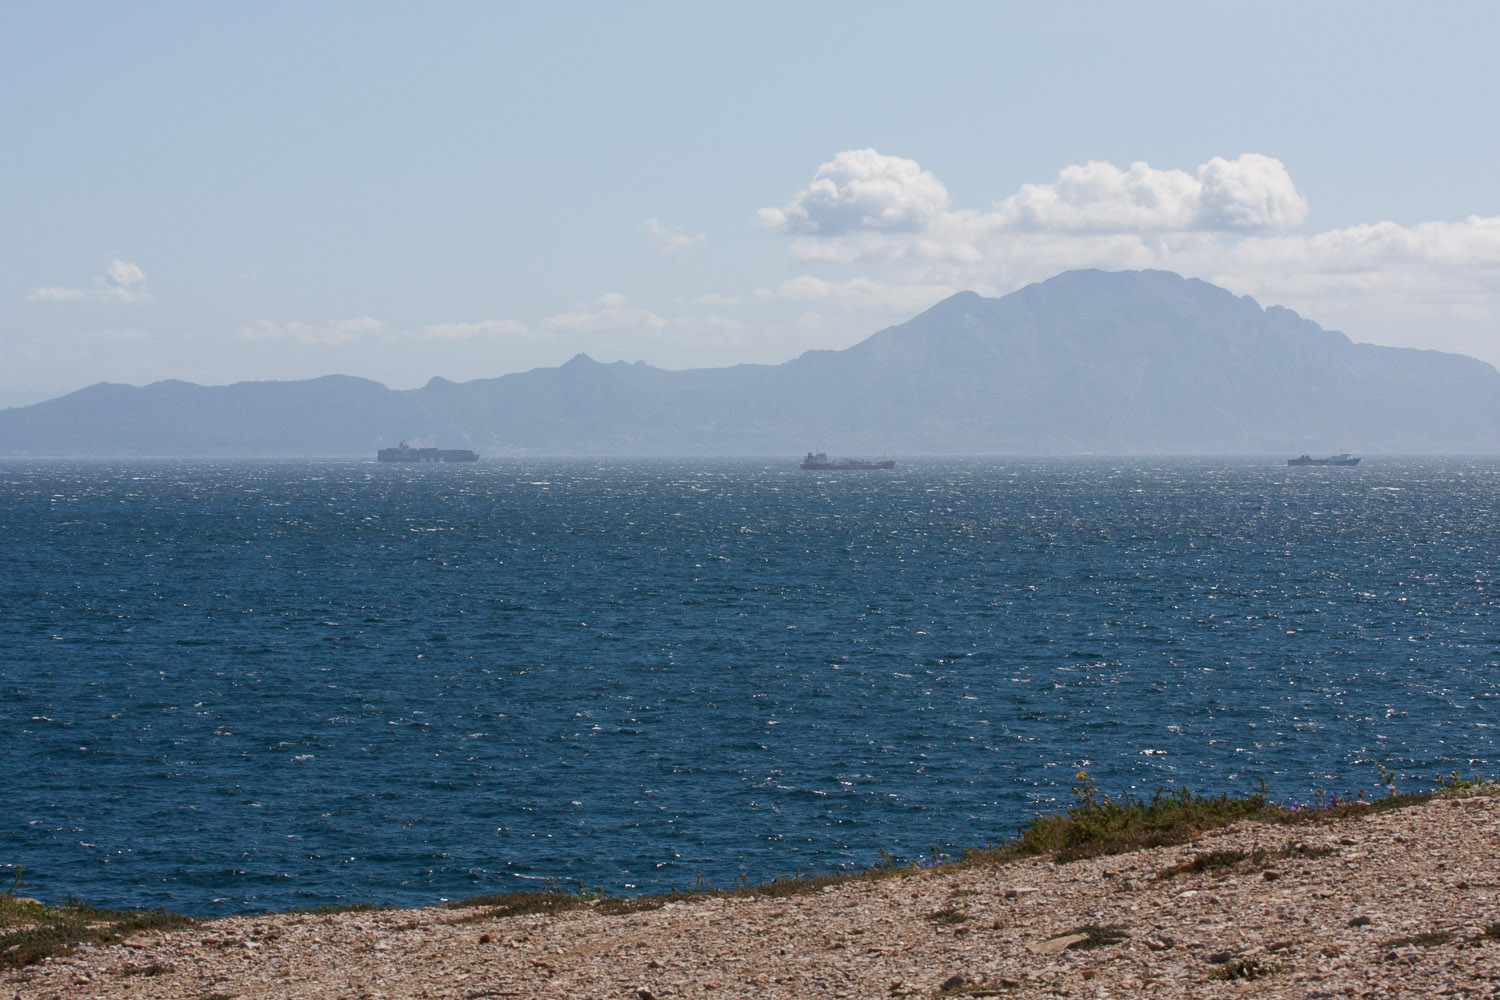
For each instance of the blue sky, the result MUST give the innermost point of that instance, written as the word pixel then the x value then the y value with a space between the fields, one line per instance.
pixel 218 192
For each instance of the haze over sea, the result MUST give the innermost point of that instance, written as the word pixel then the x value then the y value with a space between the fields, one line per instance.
pixel 248 686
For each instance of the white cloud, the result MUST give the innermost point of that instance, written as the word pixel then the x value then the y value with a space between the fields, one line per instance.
pixel 713 299
pixel 671 241
pixel 1377 278
pixel 343 332
pixel 469 331
pixel 864 205
pixel 333 333
pixel 1251 193
pixel 713 324
pixel 107 336
pixel 860 293
pixel 609 313
pixel 121 282
pixel 1099 196
pixel 862 190
pixel 1248 194
pixel 862 193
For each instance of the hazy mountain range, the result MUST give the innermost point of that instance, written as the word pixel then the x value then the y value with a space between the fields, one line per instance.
pixel 1142 362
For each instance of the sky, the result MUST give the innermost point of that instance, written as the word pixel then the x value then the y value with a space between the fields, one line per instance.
pixel 222 192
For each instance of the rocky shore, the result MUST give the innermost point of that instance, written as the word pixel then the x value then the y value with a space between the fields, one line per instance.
pixel 1403 903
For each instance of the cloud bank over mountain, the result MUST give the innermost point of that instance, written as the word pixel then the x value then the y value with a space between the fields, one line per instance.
pixel 864 191
pixel 874 237
pixel 878 222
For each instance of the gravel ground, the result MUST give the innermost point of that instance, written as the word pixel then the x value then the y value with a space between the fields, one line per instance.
pixel 1397 904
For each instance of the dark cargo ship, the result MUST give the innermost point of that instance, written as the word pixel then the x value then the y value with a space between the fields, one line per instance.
pixel 820 462
pixel 405 453
pixel 1344 459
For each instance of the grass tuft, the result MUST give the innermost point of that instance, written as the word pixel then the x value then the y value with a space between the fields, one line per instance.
pixel 948 916
pixel 515 904
pixel 1244 968
pixel 152 969
pixel 1219 860
pixel 330 909
pixel 1212 861
pixel 1100 826
pixel 1428 940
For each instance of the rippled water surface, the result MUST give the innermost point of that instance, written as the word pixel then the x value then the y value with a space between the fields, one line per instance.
pixel 232 687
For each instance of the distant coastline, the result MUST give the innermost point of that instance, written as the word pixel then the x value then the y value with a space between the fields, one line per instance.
pixel 1040 371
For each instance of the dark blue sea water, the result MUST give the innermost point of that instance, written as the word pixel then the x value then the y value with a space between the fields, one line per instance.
pixel 230 687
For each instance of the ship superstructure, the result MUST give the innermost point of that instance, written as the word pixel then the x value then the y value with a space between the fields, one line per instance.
pixel 1344 459
pixel 406 453
pixel 820 462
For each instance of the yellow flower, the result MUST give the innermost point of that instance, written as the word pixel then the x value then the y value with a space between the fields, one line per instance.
pixel 1079 774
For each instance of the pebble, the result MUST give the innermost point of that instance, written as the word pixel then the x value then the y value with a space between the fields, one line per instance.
pixel 1053 945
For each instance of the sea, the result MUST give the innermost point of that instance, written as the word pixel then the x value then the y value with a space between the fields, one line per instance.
pixel 245 686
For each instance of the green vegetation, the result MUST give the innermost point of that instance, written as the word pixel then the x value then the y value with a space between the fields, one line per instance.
pixel 1211 861
pixel 1217 860
pixel 1427 940
pixel 153 969
pixel 948 916
pixel 999 988
pixel 1244 968
pixel 1453 783
pixel 30 933
pixel 328 909
pixel 1100 825
pixel 512 904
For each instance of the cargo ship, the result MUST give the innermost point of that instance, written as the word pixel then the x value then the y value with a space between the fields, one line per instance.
pixel 1344 459
pixel 821 463
pixel 405 453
